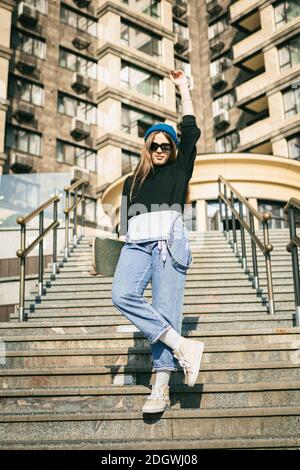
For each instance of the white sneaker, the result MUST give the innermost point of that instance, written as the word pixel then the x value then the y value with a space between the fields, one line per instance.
pixel 158 400
pixel 189 356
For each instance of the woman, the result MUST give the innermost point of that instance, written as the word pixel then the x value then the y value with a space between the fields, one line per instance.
pixel 157 248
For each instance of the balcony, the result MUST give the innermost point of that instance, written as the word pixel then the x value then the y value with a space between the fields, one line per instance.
pixel 24 112
pixel 80 129
pixel 20 162
pixel 242 14
pixel 219 81
pixel 181 43
pixel 179 8
pixel 28 15
pixel 81 83
pixel 216 44
pixel 259 129
pixel 26 63
pixel 249 44
pixel 213 7
pixel 221 121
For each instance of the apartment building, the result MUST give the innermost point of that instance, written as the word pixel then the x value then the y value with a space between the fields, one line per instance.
pixel 81 81
pixel 245 62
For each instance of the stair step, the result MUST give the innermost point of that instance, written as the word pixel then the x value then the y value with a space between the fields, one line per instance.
pixel 215 354
pixel 253 443
pixel 136 374
pixel 137 339
pixel 132 397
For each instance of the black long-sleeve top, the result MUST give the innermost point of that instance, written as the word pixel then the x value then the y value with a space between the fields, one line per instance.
pixel 167 184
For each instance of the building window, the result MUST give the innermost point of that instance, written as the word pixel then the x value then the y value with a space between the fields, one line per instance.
pixel 40 5
pixel 136 122
pixel 289 53
pixel 90 210
pixel 276 209
pixel 29 44
pixel 285 11
pixel 129 161
pixel 75 155
pixel 77 108
pixel 219 65
pixel 291 100
pixel 79 21
pixel 181 30
pixel 149 7
pixel 142 81
pixel 217 28
pixel 26 91
pixel 140 39
pixel 228 142
pixel 24 140
pixel 77 63
pixel 226 101
pixel 294 146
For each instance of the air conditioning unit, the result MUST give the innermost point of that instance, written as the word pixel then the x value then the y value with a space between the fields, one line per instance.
pixel 26 63
pixel 24 111
pixel 216 44
pixel 81 42
pixel 179 8
pixel 83 3
pixel 78 173
pixel 213 7
pixel 181 43
pixel 81 83
pixel 27 14
pixel 219 81
pixel 80 129
pixel 20 162
pixel 221 121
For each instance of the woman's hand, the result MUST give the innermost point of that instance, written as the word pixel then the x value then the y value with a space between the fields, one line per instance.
pixel 178 77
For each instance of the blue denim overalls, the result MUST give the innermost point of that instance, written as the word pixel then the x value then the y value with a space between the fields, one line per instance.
pixel 161 255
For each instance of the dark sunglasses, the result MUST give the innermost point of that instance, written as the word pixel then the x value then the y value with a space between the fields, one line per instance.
pixel 164 147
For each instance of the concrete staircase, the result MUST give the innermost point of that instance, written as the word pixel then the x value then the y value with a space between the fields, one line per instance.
pixel 76 374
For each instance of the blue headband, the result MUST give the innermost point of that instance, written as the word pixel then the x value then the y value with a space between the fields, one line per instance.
pixel 165 128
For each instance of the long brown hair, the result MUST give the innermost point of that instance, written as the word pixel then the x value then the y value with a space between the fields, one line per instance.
pixel 145 164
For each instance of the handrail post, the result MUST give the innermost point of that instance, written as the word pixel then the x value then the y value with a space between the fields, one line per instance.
pixel 75 220
pixel 41 253
pixel 67 222
pixel 235 249
pixel 54 256
pixel 220 207
pixel 295 262
pixel 20 253
pixel 244 254
pixel 268 248
pixel 254 254
pixel 226 217
pixel 82 210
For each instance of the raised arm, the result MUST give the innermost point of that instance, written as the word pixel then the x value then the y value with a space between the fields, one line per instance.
pixel 190 132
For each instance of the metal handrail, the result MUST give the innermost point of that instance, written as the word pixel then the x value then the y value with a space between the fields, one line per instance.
pixel 78 185
pixel 265 246
pixel 23 251
pixel 291 208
